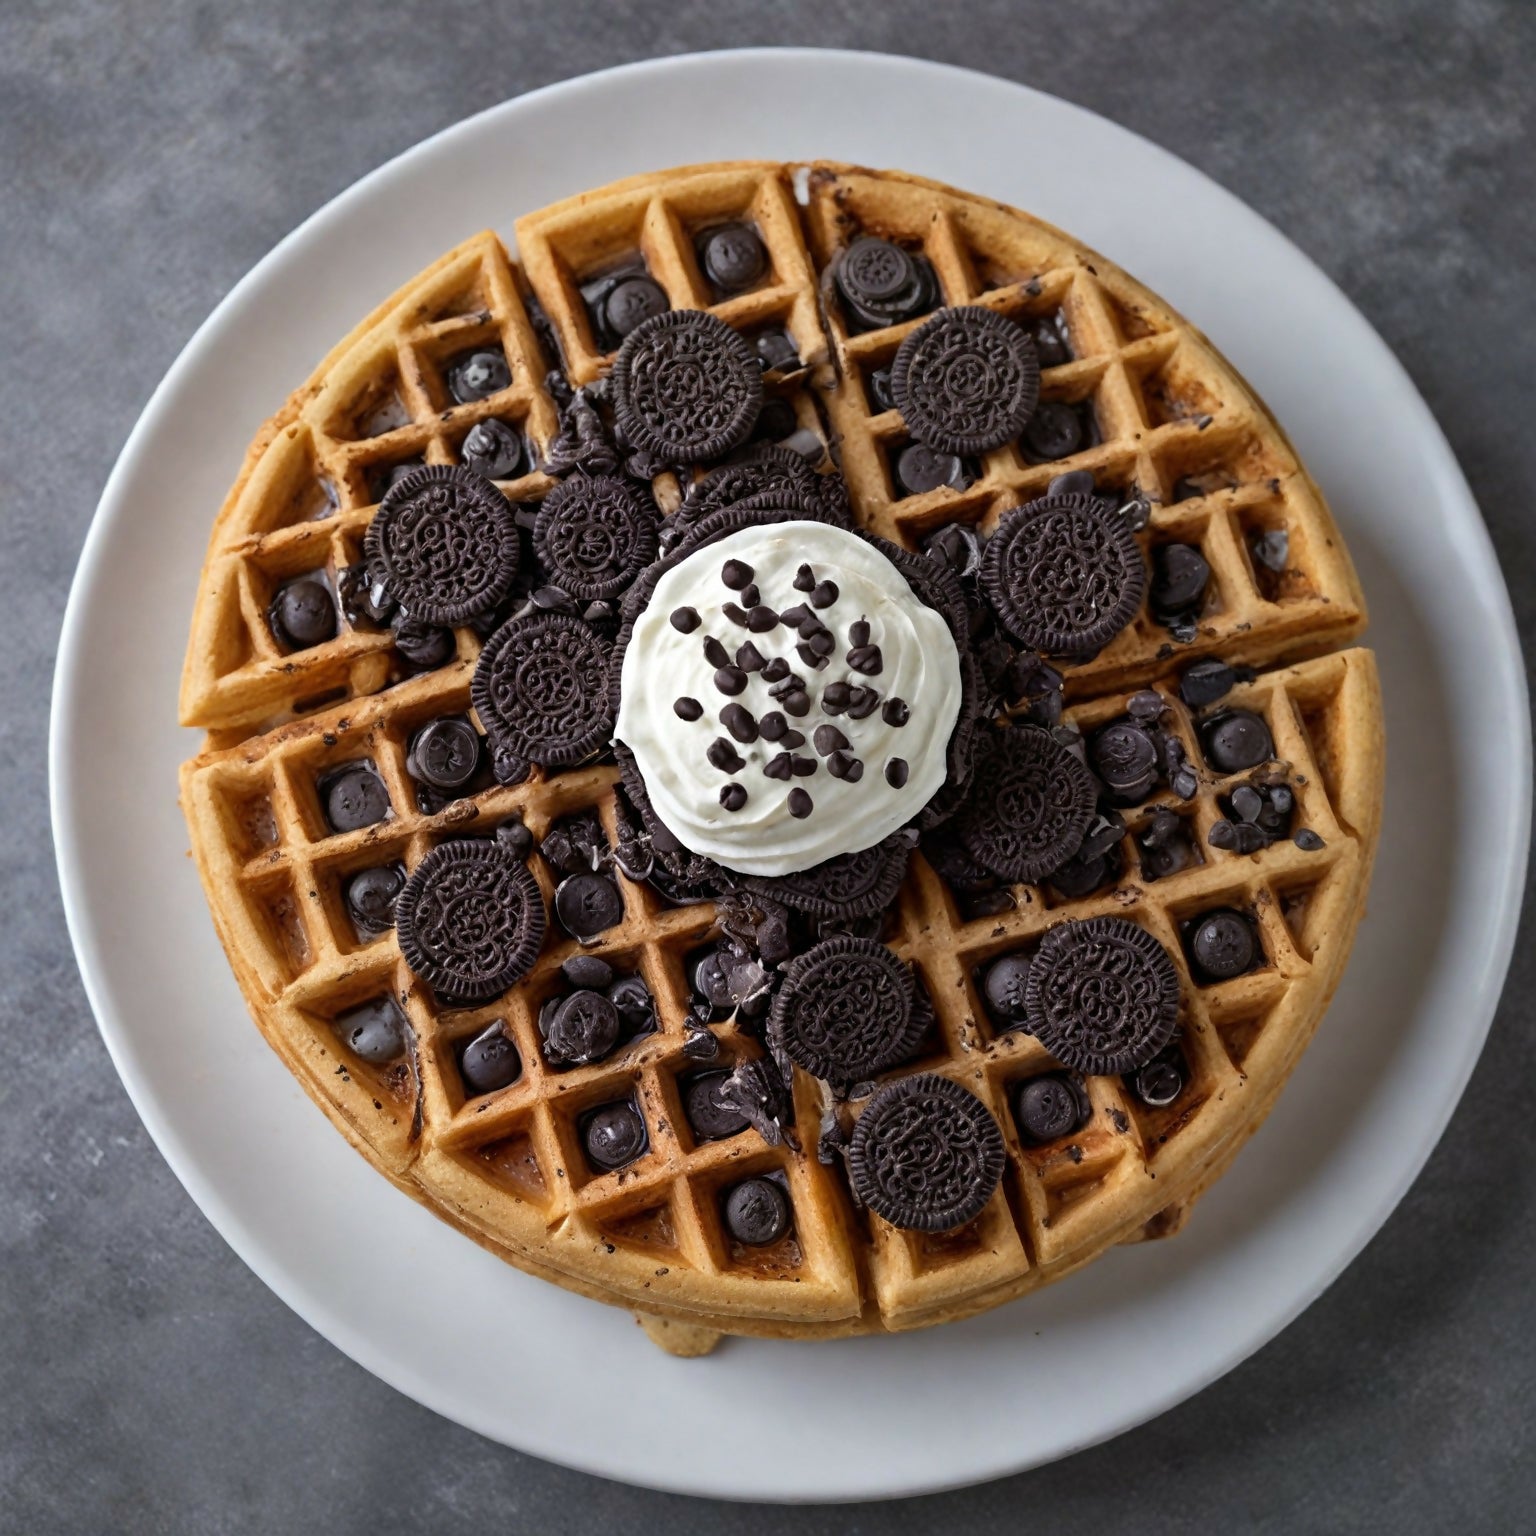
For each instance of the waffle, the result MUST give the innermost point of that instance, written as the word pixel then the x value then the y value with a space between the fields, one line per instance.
pixel 1175 426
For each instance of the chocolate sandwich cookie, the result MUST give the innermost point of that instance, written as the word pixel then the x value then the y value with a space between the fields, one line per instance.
pixel 1030 804
pixel 594 535
pixel 541 690
pixel 1063 574
pixel 470 920
pixel 846 888
pixel 443 545
pixel 966 380
pixel 770 470
pixel 846 1010
pixel 881 284
pixel 686 387
pixel 1102 995
pixel 926 1154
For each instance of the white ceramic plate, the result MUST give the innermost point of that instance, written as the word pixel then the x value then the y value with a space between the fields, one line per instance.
pixel 1139 1331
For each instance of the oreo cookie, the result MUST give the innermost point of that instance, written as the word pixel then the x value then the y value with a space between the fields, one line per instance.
pixel 926 1154
pixel 443 545
pixel 1030 805
pixel 541 690
pixel 846 1010
pixel 770 469
pixel 686 387
pixel 1102 995
pixel 593 536
pixel 850 886
pixel 966 380
pixel 470 920
pixel 881 284
pixel 1063 574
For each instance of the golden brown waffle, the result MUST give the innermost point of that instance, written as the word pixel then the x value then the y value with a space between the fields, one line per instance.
pixel 508 1168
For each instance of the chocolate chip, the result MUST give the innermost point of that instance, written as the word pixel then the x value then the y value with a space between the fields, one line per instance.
pixel 739 722
pixel 1003 988
pixel 780 766
pixel 1047 1108
pixel 777 352
pixel 490 1061
pixel 805 579
pixel 735 613
pixel 591 972
pixel 303 613
pixel 1247 803
pixel 733 257
pixel 354 797
pixel 1159 1083
pixel 707 978
pixel 586 904
pixel 478 374
pixel 827 738
pixel 423 645
pixel 863 703
pixel 1124 755
pixel 761 619
pixel 685 620
pixel 632 301
pixel 823 643
pixel 757 1212
pixel 370 898
pixel 711 1118
pixel 797 703
pixel 730 680
pixel 445 753
pixel 687 709
pixel 895 712
pixel 1308 841
pixel 715 653
pixel 374 1032
pixel 896 772
pixel 1055 431
pixel 748 657
pixel 584 1027
pixel 736 574
pixel 1237 740
pixel 775 670
pixel 1179 577
pixel 1204 682
pixel 512 834
pixel 800 804
pixel 722 755
pixel 614 1135
pixel 733 797
pixel 772 726
pixel 866 659
pixel 492 449
pixel 836 697
pixel 1222 945
pixel 843 765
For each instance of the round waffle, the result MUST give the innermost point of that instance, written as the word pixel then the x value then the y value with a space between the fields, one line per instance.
pixel 310 809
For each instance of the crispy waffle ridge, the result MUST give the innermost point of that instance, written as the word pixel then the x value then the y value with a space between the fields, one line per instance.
pixel 1173 421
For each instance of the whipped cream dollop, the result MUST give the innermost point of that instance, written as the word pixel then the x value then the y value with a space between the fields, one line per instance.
pixel 893 759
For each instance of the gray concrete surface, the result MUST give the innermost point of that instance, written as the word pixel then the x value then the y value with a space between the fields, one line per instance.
pixel 150 152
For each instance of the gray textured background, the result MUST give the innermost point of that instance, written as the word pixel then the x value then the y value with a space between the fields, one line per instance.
pixel 149 154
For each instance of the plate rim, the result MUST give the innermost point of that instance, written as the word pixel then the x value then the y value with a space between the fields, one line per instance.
pixel 71 857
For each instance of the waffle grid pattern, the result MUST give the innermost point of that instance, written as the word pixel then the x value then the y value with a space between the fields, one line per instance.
pixel 509 1167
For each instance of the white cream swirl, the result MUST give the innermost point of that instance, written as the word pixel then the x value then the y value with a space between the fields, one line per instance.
pixel 920 666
